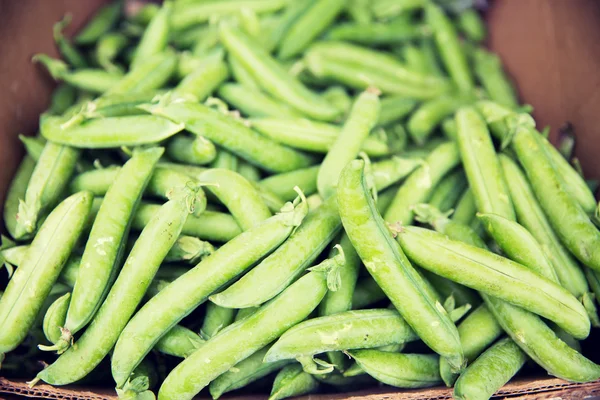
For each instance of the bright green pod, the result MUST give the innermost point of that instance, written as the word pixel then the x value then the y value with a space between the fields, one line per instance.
pixel 292 381
pixel 54 320
pixel 472 25
pixel 253 102
pixel 151 75
pixel 394 108
pixel 488 69
pixel 283 184
pixel 430 114
pixel 216 318
pixel 17 191
pixel 179 342
pixel 448 191
pixel 377 34
pixel 204 80
pixel 465 209
pixel 191 150
pixel 155 38
pixel 101 23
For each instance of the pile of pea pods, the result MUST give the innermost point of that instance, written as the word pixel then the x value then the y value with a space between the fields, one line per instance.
pixel 288 197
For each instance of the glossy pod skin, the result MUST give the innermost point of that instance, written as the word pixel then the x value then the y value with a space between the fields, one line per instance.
pixel 253 102
pixel 46 184
pixel 502 361
pixel 54 319
pixel 179 342
pixel 342 331
pixel 245 337
pixel 420 184
pixel 394 108
pixel 203 81
pixel 465 209
pixel 191 150
pixel 362 118
pixel 494 275
pixel 447 193
pixel 45 258
pixel 126 293
pixel 106 243
pixel 374 33
pixel 272 77
pixel 245 372
pixel 430 114
pixel 101 23
pixel 155 318
pixel 232 135
pixel 283 184
pixel 155 37
pixel 16 191
pixel 570 221
pixel 215 319
pixel 481 165
pixel 388 265
pixel 149 76
pixel 488 69
pixel 292 381
pixel 399 370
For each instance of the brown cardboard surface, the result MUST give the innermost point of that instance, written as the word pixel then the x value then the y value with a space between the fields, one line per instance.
pixel 551 48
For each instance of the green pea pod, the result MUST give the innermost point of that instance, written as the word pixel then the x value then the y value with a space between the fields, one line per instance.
pixel 151 75
pixel 518 244
pixel 304 134
pixel 385 9
pixel 187 15
pixel 189 249
pixel 465 209
pixel 342 331
pixel 338 97
pixel 88 79
pixel 399 370
pixel 101 23
pixel 155 38
pixel 126 293
pixel 251 173
pixel 283 184
pixel 462 297
pixel 179 342
pixel 33 280
pixel 571 223
pixel 283 266
pixel 481 165
pixel 402 284
pixel 48 180
pixel 243 338
pixel 308 26
pixel 245 372
pixel 476 331
pixel 363 117
pixel 273 78
pixel 494 275
pixel 68 275
pixel 241 75
pixel 204 80
pixel 394 108
pixel 430 114
pixel 210 225
pixel 377 34
pixel 109 132
pixel 192 288
pixel 17 191
pixel 488 69
pixel 449 128
pixel 69 52
pixel 54 320
pixel 505 358
pixel 215 319
pixel 190 150
pixel 225 160
pixel 253 102
pixel 447 193
pixel 449 47
pixel 472 25
pixel 108 48
pixel 292 381
pixel 63 97
pixel 105 245
pixel 420 184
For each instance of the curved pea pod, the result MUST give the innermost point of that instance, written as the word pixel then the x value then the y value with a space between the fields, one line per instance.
pixel 125 294
pixel 138 386
pixel 192 288
pixel 191 150
pixel 342 331
pixel 33 280
pixel 108 48
pixel 284 265
pixel 386 9
pixel 155 38
pixel 448 44
pixel 375 33
pixel 186 15
pixel 17 190
pixel 465 209
pixel 481 165
pixel 106 243
pixel 394 108
pixel 54 320
pixel 215 319
pixel 420 184
pixel 204 80
pixel 179 342
pixel 567 217
pixel 430 114
pixel 253 102
pixel 189 249
pixel 502 361
pixel 273 78
pixel 48 180
pixel 88 79
pixel 540 343
pixel 283 184
pixel 448 191
pixel 102 133
pixel 388 265
pixel 151 75
pixel 489 273
pixel 210 225
pixel 399 370
pixel 476 331
pixel 232 135
pixel 245 372
pixel 245 337
pixel 488 69
pixel 240 197
pixel 338 97
pixel 101 23
pixel 292 381
pixel 518 244
pixel 308 26
pixel 65 47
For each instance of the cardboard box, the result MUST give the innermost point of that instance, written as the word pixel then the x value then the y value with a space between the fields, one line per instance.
pixel 551 48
